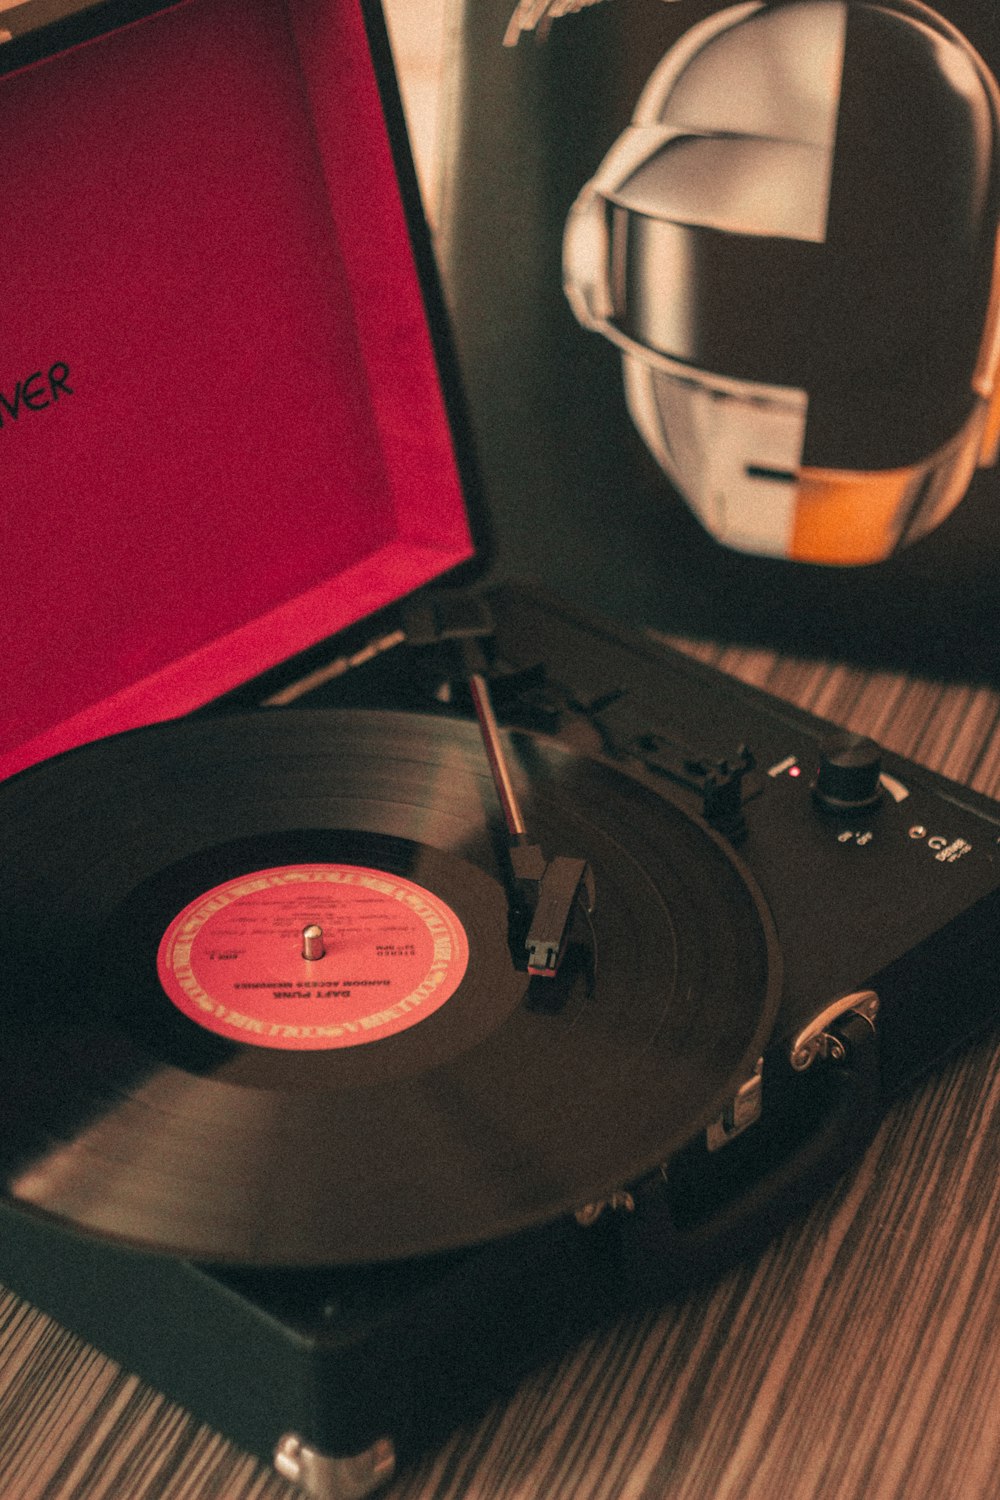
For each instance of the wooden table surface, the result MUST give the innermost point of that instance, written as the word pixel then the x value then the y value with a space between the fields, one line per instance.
pixel 858 1357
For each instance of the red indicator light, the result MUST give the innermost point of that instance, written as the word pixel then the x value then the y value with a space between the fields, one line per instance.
pixel 795 770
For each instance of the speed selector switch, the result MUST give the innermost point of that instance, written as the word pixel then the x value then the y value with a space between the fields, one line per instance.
pixel 849 770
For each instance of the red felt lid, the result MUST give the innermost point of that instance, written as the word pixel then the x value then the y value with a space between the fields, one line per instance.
pixel 223 435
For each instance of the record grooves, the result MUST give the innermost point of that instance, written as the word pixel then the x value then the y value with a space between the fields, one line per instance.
pixel 512 1102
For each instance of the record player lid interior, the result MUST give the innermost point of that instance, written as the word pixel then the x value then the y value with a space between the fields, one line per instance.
pixel 222 425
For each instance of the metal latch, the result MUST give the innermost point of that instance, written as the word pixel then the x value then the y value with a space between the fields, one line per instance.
pixel 742 1111
pixel 818 1040
pixel 325 1477
pixel 621 1200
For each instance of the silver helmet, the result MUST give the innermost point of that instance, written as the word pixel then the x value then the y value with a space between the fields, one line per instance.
pixel 794 245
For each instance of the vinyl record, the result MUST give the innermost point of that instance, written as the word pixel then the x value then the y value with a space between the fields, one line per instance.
pixel 189 1067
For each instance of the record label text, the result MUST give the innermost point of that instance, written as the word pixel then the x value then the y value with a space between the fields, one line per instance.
pixel 381 955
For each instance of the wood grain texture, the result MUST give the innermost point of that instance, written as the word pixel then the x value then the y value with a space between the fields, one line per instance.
pixel 856 1358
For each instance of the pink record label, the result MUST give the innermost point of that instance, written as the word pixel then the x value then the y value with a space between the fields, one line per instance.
pixel 307 957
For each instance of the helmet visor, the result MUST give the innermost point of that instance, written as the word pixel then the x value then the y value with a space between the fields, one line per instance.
pixel 884 338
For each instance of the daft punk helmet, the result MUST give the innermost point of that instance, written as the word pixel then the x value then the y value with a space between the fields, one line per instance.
pixel 794 245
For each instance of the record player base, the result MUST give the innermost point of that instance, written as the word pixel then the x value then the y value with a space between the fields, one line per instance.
pixel 895 1271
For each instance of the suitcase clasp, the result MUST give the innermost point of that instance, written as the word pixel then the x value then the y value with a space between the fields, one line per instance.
pixel 818 1040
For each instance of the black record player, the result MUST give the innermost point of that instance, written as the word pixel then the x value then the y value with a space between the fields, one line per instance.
pixel 788 926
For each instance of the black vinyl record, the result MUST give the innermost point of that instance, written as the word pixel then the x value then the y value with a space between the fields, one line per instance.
pixel 169 1084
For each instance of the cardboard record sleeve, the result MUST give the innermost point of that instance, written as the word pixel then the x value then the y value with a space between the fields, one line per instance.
pixel 548 133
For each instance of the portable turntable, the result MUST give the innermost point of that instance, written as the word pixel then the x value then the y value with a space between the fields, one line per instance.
pixel 360 1053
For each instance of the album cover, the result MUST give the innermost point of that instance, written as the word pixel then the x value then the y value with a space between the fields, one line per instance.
pixel 724 280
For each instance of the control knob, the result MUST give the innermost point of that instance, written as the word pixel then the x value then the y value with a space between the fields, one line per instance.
pixel 849 769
